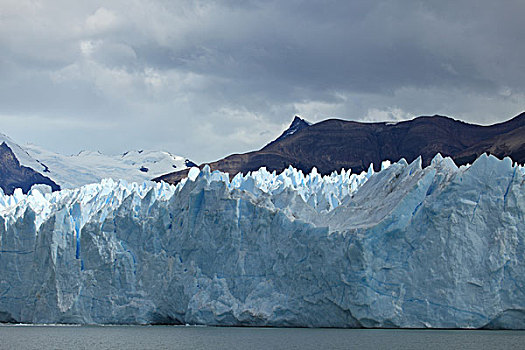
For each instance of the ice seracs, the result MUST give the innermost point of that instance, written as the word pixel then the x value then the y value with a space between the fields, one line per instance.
pixel 408 246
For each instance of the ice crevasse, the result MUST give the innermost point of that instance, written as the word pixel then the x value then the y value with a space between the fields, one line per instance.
pixel 408 246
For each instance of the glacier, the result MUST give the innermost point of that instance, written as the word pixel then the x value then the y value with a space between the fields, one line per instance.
pixel 434 247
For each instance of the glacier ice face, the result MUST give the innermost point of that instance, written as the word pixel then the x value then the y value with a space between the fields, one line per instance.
pixel 405 247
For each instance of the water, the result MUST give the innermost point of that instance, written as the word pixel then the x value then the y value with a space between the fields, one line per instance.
pixel 180 337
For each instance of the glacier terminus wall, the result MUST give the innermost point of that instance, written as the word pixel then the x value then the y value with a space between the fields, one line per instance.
pixel 434 247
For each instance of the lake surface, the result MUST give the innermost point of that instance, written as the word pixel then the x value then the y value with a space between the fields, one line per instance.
pixel 194 337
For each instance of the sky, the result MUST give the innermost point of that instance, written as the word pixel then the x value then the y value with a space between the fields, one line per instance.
pixel 204 79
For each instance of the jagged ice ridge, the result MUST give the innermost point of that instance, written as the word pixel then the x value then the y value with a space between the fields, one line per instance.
pixel 406 247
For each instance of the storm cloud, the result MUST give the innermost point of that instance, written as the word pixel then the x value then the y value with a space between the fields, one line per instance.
pixel 205 79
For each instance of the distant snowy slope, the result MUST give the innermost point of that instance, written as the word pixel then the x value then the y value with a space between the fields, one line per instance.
pixel 90 167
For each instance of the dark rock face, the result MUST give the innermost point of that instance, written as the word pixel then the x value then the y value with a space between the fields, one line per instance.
pixel 13 175
pixel 335 144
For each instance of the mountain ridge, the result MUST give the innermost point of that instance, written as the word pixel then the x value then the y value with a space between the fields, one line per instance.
pixel 333 144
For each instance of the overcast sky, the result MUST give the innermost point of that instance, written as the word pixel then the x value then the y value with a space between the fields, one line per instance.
pixel 204 79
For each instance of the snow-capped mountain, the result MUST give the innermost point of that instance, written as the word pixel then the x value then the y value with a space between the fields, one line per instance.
pixel 13 175
pixel 70 171
pixel 441 246
pixel 90 167
pixel 21 154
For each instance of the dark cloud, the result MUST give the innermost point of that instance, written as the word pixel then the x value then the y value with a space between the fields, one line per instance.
pixel 205 79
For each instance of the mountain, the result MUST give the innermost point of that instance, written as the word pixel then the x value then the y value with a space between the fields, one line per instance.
pixel 13 175
pixel 90 166
pixel 334 144
pixel 297 124
pixel 509 143
pixel 410 247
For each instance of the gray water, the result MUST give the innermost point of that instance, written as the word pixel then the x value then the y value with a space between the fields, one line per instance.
pixel 180 337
